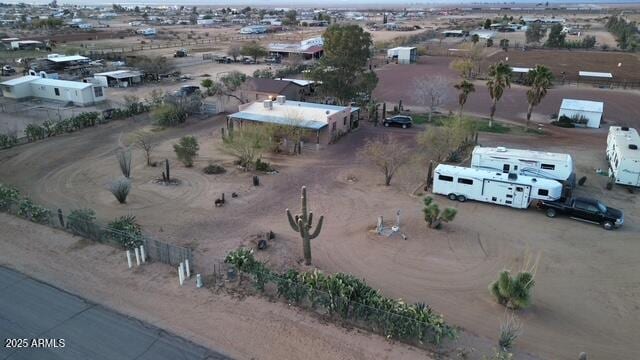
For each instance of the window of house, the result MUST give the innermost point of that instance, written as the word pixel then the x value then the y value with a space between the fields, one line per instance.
pixel 548 166
pixel 56 91
pixel 445 178
pixel 465 181
pixel 543 192
pixel 97 91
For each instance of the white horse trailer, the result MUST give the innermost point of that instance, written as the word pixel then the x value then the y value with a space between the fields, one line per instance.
pixel 623 155
pixel 538 164
pixel 462 183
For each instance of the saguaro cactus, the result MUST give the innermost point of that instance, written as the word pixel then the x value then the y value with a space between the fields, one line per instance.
pixel 302 223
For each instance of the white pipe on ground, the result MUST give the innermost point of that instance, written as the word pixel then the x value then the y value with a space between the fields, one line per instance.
pixel 198 281
pixel 129 259
pixel 180 274
pixel 186 267
pixel 142 254
pixel 137 251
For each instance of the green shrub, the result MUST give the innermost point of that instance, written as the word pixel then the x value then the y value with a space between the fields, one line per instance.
pixel 213 169
pixel 169 115
pixel 34 132
pixel 186 150
pixel 126 231
pixel 8 196
pixel 36 213
pixel 263 166
pixel 513 292
pixel 7 141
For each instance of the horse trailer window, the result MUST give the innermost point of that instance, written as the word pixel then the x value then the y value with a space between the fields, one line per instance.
pixel 445 178
pixel 519 189
pixel 56 91
pixel 465 181
pixel 548 166
pixel 543 192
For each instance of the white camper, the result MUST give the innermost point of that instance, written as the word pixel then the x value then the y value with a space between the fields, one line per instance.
pixel 462 183
pixel 539 164
pixel 623 155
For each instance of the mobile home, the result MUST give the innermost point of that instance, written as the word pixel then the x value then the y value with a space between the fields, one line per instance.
pixel 513 190
pixel 540 164
pixel 623 155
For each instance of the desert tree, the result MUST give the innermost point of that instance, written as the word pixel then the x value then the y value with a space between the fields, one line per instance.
pixel 464 89
pixel 234 51
pixel 254 50
pixel 186 150
pixel 387 153
pixel 247 143
pixel 431 92
pixel 433 216
pixel 227 85
pixel 535 33
pixel 515 291
pixel 153 66
pixel 556 38
pixel 540 80
pixel 499 80
pixel 464 67
pixel 142 141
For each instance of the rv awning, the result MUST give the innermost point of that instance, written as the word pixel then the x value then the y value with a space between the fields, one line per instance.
pixel 602 75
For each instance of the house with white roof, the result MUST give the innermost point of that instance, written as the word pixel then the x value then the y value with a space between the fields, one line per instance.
pixel 324 123
pixel 78 93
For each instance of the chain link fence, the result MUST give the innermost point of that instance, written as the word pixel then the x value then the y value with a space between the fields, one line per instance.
pixel 89 228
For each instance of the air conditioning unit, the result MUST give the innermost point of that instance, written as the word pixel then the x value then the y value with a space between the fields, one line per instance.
pixel 281 99
pixel 268 104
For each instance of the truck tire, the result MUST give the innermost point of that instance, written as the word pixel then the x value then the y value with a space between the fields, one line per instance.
pixel 404 126
pixel 462 198
pixel 607 225
pixel 551 213
pixel 386 124
pixel 452 197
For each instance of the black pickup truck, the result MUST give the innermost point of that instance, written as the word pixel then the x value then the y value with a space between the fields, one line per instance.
pixel 585 209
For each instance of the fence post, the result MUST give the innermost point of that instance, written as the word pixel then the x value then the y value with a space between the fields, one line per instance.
pixel 61 218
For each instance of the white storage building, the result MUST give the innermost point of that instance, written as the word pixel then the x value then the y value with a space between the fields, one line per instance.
pixel 118 78
pixel 403 54
pixel 591 111
pixel 79 93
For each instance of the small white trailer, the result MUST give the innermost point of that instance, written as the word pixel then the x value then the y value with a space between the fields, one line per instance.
pixel 623 155
pixel 539 164
pixel 517 191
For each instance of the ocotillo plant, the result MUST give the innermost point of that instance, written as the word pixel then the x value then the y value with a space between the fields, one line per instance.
pixel 166 176
pixel 302 223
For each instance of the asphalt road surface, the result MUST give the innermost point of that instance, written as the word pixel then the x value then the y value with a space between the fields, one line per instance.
pixel 43 318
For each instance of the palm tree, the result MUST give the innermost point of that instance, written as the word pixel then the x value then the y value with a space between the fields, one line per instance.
pixel 499 79
pixel 465 87
pixel 540 80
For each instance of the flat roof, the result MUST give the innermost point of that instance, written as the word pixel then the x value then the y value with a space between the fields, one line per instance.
pixel 62 83
pixel 120 74
pixel 303 114
pixel 279 120
pixel 403 48
pixel 58 59
pixel 605 75
pixel 299 82
pixel 20 80
pixel 520 69
pixel 582 105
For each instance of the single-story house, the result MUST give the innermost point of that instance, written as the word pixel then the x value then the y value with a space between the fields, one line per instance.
pixel 455 33
pixel 589 111
pixel 484 34
pixel 27 45
pixel 118 78
pixel 403 55
pixel 324 123
pixel 262 89
pixel 79 93
pixel 312 48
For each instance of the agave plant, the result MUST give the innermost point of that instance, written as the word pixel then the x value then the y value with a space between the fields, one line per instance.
pixel 120 189
pixel 513 292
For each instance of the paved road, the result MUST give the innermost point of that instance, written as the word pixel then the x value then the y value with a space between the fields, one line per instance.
pixel 34 310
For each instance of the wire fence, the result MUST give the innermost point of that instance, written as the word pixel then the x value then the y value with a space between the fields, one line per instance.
pixel 415 324
pixel 89 228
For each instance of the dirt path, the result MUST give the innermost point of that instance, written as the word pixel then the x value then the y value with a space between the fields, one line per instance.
pixel 250 328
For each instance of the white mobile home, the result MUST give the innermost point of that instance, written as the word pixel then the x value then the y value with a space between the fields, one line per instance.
pixel 517 191
pixel 403 55
pixel 548 165
pixel 79 93
pixel 623 155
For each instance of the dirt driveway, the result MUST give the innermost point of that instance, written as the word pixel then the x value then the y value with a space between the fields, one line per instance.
pixel 586 295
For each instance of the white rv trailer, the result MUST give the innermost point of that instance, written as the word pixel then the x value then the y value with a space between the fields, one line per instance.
pixel 462 183
pixel 539 164
pixel 623 155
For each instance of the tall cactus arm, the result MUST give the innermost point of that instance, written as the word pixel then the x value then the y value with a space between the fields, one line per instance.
pixel 316 232
pixel 302 229
pixel 292 222
pixel 303 205
pixel 310 220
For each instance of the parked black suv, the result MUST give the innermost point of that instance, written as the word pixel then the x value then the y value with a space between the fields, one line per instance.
pixel 585 209
pixel 402 121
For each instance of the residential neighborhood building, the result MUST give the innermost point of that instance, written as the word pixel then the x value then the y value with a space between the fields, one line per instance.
pixel 590 112
pixel 263 89
pixel 78 93
pixel 118 78
pixel 403 55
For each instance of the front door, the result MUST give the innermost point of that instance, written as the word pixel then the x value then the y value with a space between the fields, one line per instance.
pixel 518 196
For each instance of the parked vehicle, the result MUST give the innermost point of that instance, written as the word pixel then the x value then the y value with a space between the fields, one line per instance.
pixel 402 121
pixel 623 155
pixel 180 53
pixel 272 60
pixel 8 70
pixel 248 61
pixel 188 90
pixel 517 191
pixel 585 209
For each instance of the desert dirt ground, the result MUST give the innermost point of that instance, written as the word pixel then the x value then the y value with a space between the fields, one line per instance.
pixel 241 327
pixel 585 299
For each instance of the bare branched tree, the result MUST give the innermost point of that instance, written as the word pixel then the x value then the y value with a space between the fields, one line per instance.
pixel 387 153
pixel 143 142
pixel 431 92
